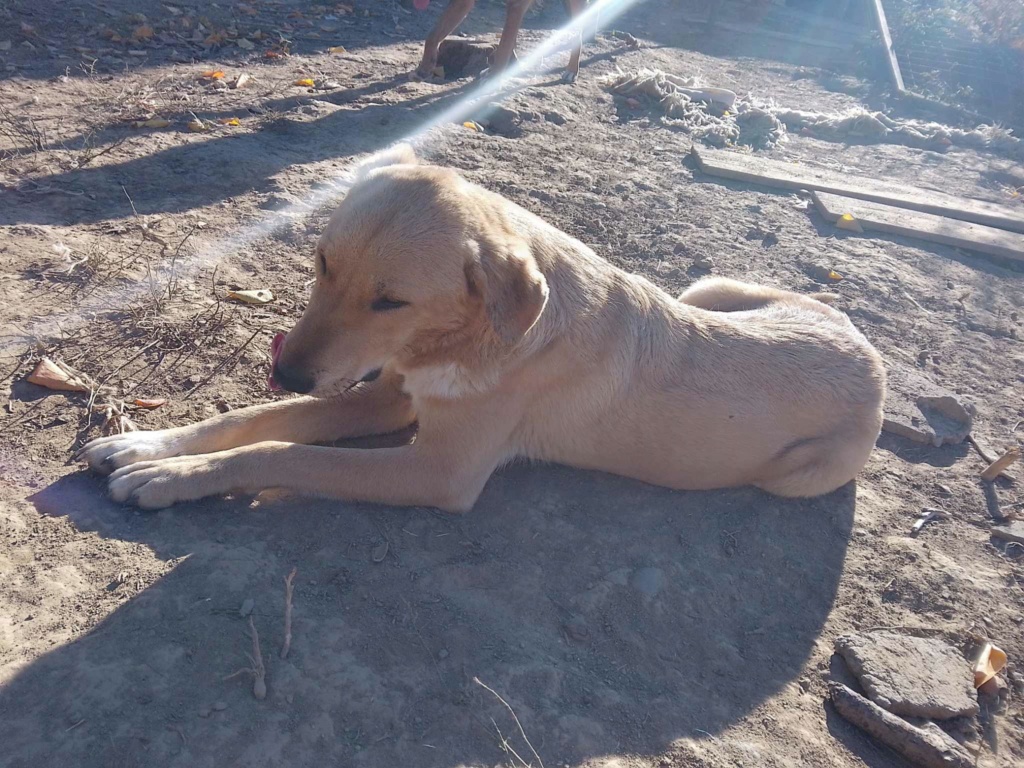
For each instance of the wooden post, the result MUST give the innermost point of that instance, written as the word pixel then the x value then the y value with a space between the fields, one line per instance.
pixel 890 54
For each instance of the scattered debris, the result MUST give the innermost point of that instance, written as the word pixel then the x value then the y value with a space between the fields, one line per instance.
pixel 246 608
pixel 501 120
pixel 259 296
pixel 257 670
pixel 995 468
pixel 337 50
pixel 288 589
pixel 822 274
pixel 148 404
pixel 910 676
pixel 922 411
pixel 926 516
pixel 928 747
pixel 305 82
pixel 60 377
pixel 241 80
pixel 990 662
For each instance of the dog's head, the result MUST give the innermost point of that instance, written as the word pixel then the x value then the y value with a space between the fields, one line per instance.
pixel 417 267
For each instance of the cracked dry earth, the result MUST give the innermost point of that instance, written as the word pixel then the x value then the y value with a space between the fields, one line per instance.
pixel 625 625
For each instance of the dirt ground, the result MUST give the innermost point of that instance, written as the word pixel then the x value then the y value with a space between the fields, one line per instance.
pixel 625 625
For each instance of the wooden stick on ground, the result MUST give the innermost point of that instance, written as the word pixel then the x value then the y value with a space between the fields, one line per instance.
pixel 995 468
pixel 928 748
pixel 288 588
pixel 989 458
pixel 257 670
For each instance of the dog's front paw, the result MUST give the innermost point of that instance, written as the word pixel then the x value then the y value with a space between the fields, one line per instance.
pixel 159 484
pixel 106 454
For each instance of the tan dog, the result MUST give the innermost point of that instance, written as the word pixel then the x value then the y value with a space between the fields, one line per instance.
pixel 515 10
pixel 439 302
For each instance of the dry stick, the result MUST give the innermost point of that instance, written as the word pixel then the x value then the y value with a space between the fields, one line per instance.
pixel 995 468
pixel 926 748
pixel 989 458
pixel 518 724
pixel 257 669
pixel 288 587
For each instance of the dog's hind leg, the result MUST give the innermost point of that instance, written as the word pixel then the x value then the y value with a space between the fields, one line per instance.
pixel 453 15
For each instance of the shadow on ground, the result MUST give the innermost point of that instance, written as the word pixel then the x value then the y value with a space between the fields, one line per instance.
pixel 614 617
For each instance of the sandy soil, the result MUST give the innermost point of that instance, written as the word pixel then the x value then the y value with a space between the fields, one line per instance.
pixel 625 625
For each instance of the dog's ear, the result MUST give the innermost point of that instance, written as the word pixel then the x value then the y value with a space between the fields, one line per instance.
pixel 399 154
pixel 510 286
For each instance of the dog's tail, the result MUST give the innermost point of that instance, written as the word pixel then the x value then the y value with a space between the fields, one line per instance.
pixel 398 154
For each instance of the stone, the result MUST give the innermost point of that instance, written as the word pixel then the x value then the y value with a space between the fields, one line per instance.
pixel 219 706
pixel 502 120
pixel 463 58
pixel 1013 531
pixel 247 605
pixel 920 410
pixel 911 676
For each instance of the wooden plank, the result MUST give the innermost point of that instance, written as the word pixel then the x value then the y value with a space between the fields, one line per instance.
pixel 925 226
pixel 890 54
pixel 774 173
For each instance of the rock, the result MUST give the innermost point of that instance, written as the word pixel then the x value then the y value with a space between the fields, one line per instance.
pixel 1012 531
pixel 704 262
pixel 648 581
pixel 219 706
pixel 555 117
pixel 204 712
pixel 911 676
pixel 502 120
pixel 247 605
pixel 443 653
pixel 463 58
pixel 920 410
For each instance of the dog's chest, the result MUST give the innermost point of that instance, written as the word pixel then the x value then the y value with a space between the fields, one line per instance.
pixel 448 381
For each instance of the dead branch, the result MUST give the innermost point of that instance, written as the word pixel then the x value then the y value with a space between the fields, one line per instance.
pixel 514 717
pixel 928 748
pixel 995 468
pixel 257 669
pixel 288 589
pixel 988 457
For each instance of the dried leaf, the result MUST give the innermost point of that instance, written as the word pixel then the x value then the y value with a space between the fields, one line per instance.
pixel 229 121
pixel 153 122
pixel 337 49
pixel 150 404
pixel 274 55
pixel 473 126
pixel 143 32
pixel 245 45
pixel 53 375
pixel 306 82
pixel 241 80
pixel 833 275
pixel 260 296
pixel 213 74
pixel 197 126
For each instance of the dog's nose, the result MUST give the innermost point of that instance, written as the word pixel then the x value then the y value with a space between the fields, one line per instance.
pixel 292 380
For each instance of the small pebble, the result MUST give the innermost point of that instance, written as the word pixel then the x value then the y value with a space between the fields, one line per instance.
pixel 443 653
pixel 247 605
pixel 204 712
pixel 220 706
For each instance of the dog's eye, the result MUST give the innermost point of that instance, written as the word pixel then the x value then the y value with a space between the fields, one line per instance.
pixel 323 264
pixel 384 304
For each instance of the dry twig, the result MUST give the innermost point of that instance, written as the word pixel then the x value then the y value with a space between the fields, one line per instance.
pixel 257 669
pixel 288 589
pixel 514 717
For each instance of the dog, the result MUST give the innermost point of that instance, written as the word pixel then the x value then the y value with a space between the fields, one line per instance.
pixel 441 304
pixel 515 10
